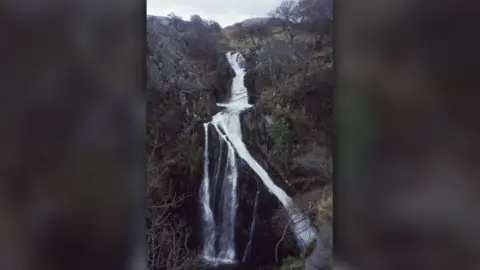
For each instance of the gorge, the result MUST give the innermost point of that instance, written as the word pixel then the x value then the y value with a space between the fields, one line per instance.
pixel 218 194
pixel 239 153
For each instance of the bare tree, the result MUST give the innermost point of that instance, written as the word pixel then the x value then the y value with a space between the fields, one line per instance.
pixel 176 21
pixel 238 34
pixel 315 16
pixel 200 40
pixel 286 14
pixel 317 254
pixel 258 34
pixel 168 232
pixel 214 26
pixel 196 19
pixel 287 235
pixel 167 238
pixel 205 25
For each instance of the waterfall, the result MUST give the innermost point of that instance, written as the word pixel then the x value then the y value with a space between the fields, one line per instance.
pixel 207 214
pixel 219 226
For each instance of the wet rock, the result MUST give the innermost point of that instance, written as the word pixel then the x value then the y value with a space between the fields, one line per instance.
pixel 321 255
pixel 248 191
pixel 259 144
pixel 251 76
pixel 256 245
pixel 182 94
pixel 223 78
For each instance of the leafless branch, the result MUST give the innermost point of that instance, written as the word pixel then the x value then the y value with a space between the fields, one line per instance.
pixel 291 223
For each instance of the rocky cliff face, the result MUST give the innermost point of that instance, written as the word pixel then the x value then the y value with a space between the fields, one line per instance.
pixel 293 112
pixel 290 126
pixel 183 85
pixel 289 130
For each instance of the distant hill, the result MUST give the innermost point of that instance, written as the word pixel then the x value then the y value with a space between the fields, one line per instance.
pixel 256 21
pixel 164 20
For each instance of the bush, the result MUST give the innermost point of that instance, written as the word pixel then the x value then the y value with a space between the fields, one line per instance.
pixel 281 136
pixel 205 26
pixel 167 231
pixel 202 46
pixel 202 39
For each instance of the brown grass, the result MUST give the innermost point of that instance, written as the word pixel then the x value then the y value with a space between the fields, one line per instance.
pixel 324 210
pixel 230 37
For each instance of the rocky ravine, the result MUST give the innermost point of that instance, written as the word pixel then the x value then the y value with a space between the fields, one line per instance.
pixel 183 86
pixel 288 132
pixel 290 127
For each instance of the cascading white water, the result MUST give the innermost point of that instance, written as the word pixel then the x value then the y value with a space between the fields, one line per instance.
pixel 227 125
pixel 207 214
pixel 226 243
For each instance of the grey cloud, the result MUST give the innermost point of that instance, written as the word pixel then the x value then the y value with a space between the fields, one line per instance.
pixel 224 12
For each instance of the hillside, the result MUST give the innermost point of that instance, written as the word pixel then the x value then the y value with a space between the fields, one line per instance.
pixel 256 21
pixel 290 79
pixel 289 130
pixel 183 84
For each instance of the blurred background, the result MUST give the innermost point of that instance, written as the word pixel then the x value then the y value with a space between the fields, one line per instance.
pixel 407 123
pixel 72 135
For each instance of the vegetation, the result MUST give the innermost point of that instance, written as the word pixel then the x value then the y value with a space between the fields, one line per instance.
pixel 291 76
pixel 180 86
pixel 289 73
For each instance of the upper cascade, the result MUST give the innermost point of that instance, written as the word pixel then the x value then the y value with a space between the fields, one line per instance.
pixel 239 97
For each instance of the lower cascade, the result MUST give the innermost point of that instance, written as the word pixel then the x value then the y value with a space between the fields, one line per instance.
pixel 218 193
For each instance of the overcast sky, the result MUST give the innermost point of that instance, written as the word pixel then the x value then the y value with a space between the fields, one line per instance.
pixel 225 12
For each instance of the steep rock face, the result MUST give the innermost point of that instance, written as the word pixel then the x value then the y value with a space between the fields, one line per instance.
pixel 268 229
pixel 290 125
pixel 292 110
pixel 251 76
pixel 259 143
pixel 280 131
pixel 183 90
pixel 171 66
pixel 255 244
pixel 223 78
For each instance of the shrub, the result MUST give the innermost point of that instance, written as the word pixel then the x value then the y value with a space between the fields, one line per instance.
pixel 202 45
pixel 281 135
